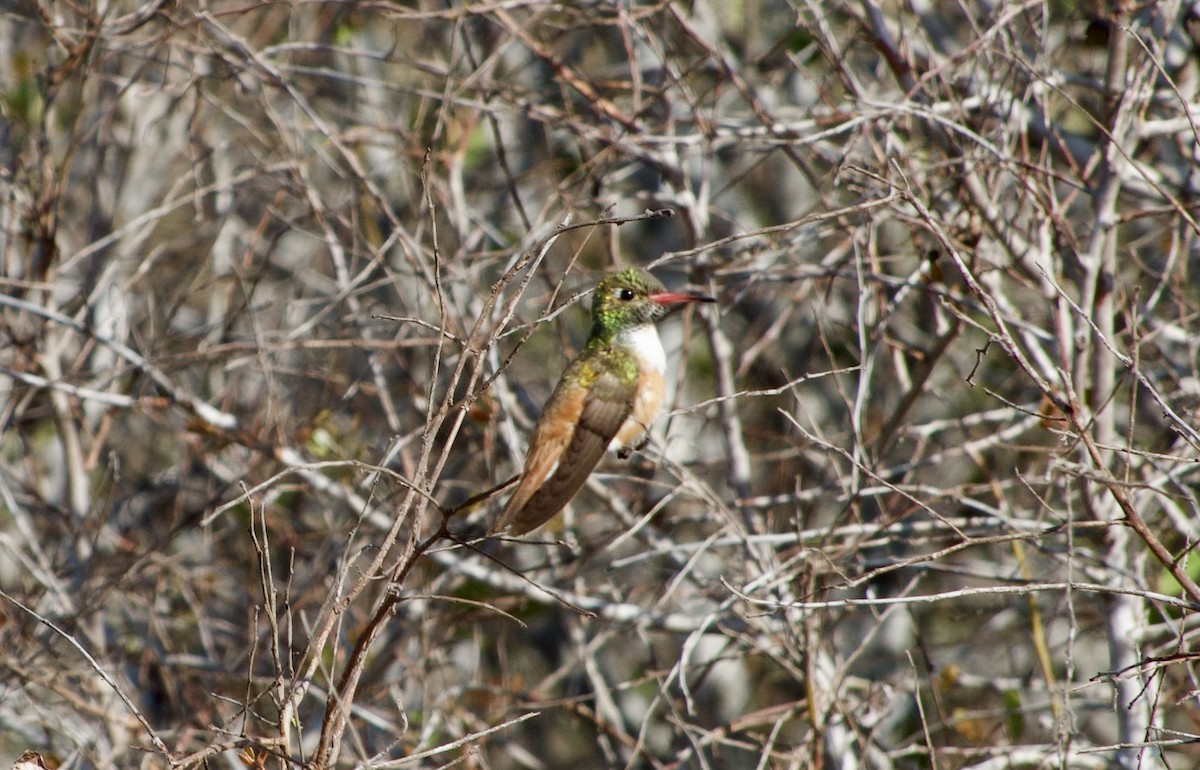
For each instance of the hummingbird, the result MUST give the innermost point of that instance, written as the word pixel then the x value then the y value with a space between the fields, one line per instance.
pixel 606 398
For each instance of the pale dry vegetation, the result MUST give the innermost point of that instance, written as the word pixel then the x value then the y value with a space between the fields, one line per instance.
pixel 284 284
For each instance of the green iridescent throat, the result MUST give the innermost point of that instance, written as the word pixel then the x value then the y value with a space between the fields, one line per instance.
pixel 611 314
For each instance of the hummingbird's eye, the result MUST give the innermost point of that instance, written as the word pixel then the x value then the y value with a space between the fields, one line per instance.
pixel 624 294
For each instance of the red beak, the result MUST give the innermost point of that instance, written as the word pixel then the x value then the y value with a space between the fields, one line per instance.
pixel 674 298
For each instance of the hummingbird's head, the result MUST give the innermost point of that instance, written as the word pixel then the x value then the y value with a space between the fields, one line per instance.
pixel 632 298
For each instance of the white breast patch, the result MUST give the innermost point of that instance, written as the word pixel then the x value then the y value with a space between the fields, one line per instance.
pixel 648 348
pixel 652 360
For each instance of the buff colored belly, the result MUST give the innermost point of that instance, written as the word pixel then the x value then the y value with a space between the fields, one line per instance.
pixel 645 409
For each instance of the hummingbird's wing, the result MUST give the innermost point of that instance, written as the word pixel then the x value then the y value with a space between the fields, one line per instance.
pixel 574 431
